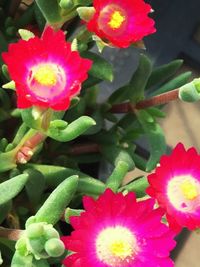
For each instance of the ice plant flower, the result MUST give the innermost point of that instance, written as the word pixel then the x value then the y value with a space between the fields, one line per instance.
pixel 46 71
pixel 175 184
pixel 116 230
pixel 121 22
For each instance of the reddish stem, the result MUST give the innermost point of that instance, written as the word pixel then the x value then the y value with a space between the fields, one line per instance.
pixel 11 234
pixel 151 102
pixel 84 148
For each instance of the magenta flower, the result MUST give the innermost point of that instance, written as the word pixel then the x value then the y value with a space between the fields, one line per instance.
pixel 175 184
pixel 116 230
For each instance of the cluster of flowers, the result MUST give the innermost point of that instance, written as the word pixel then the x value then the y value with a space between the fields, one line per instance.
pixel 116 229
pixel 48 73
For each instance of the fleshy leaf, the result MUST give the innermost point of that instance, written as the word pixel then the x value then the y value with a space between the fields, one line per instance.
pixel 51 10
pixel 55 204
pixel 155 137
pixel 138 186
pixel 35 185
pixel 10 188
pixel 70 131
pixel 117 176
pixel 115 154
pixel 101 69
pixel 163 73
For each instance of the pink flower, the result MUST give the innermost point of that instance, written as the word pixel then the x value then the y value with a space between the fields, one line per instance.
pixel 45 70
pixel 121 22
pixel 175 184
pixel 116 230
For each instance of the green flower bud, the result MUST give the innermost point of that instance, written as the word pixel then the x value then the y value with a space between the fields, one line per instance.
pixel 66 4
pixel 54 247
pixel 190 92
pixel 35 230
pixel 50 232
pixel 86 13
pixel 37 245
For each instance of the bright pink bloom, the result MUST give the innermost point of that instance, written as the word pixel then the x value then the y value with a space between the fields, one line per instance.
pixel 115 230
pixel 121 22
pixel 45 70
pixel 176 186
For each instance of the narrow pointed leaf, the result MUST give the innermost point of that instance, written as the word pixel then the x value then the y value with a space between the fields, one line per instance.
pixel 156 139
pixel 55 204
pixel 11 188
pixel 163 73
pixel 101 69
pixel 138 186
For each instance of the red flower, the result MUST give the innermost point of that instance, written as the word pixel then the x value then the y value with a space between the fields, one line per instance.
pixel 119 231
pixel 121 22
pixel 176 186
pixel 45 70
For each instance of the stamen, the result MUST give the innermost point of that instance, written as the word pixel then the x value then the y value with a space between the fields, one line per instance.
pixel 116 20
pixel 45 75
pixel 189 190
pixel 116 246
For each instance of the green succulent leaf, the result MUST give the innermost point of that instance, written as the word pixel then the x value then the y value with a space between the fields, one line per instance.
pixel 55 204
pixel 101 69
pixel 155 137
pixel 11 188
pixel 138 186
pixel 35 186
pixel 116 154
pixel 134 90
pixel 62 132
pixel 51 10
pixel 177 82
pixel 117 176
pixel 163 73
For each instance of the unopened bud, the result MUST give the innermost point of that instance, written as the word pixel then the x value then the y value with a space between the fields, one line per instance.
pixel 54 247
pixel 190 92
pixel 35 230
pixel 66 4
pixel 86 13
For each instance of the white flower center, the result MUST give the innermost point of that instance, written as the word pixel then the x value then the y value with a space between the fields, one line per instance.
pixel 116 246
pixel 184 193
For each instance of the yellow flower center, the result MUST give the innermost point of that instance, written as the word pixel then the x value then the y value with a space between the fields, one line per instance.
pixel 116 20
pixel 189 190
pixel 121 249
pixel 116 246
pixel 45 75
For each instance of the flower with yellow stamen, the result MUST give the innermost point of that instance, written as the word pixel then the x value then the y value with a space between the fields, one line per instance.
pixel 176 186
pixel 121 23
pixel 45 70
pixel 117 231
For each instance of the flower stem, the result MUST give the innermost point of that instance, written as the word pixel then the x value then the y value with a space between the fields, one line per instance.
pixel 147 103
pixel 11 234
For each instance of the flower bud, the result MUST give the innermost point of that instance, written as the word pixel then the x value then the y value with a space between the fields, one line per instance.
pixel 66 4
pixel 35 230
pixel 190 92
pixel 50 232
pixel 54 247
pixel 86 13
